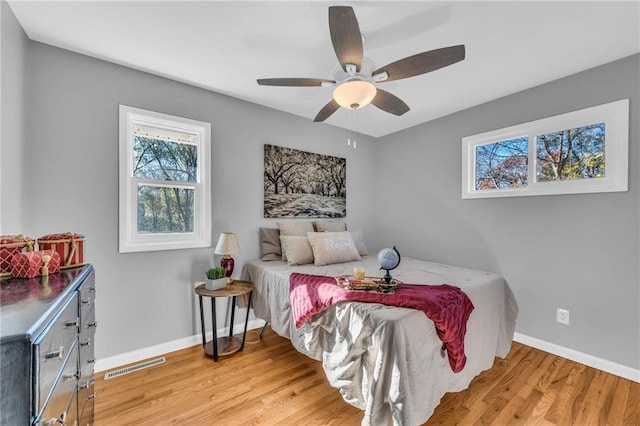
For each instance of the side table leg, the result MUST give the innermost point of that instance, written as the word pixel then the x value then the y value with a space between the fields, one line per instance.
pixel 215 329
pixel 204 337
pixel 246 322
pixel 233 311
pixel 264 328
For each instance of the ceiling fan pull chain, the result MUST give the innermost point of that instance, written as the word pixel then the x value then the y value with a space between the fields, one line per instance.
pixel 349 129
pixel 350 118
pixel 353 119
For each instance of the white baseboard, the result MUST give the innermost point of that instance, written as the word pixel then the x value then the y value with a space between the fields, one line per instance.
pixel 175 345
pixel 589 360
pixel 163 348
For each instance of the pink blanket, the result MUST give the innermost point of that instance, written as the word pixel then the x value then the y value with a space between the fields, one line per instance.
pixel 447 306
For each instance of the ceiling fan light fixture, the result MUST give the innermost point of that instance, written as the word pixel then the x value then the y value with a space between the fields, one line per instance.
pixel 354 94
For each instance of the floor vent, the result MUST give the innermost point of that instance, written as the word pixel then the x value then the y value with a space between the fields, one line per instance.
pixel 133 368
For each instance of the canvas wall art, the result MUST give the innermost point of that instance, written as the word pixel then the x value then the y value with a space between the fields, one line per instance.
pixel 303 184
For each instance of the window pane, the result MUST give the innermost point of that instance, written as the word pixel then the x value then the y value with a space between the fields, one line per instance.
pixel 164 160
pixel 501 165
pixel 165 209
pixel 571 154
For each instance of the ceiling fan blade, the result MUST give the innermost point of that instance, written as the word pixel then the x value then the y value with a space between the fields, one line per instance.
pixel 422 63
pixel 389 103
pixel 345 36
pixel 294 82
pixel 326 111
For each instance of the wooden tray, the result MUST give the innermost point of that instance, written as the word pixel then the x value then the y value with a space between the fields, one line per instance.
pixel 369 284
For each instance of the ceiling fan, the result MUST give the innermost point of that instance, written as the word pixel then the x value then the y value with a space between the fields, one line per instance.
pixel 356 81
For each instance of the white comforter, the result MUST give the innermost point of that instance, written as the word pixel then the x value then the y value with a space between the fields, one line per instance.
pixel 386 360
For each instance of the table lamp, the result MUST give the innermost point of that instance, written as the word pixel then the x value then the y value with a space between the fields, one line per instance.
pixel 227 245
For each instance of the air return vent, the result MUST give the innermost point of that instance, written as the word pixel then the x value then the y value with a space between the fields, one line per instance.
pixel 134 368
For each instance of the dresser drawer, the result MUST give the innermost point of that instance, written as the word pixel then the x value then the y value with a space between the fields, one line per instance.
pixel 52 348
pixel 88 325
pixel 57 405
pixel 86 418
pixel 87 298
pixel 86 396
pixel 86 342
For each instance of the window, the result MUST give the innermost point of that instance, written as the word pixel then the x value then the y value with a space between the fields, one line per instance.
pixel 164 181
pixel 578 152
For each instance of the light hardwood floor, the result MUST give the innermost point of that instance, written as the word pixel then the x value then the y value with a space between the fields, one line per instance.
pixel 272 384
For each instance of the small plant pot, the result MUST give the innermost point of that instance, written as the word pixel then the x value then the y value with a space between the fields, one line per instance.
pixel 216 284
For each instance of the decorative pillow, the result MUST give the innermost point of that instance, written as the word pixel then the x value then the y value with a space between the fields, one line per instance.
pixel 270 244
pixel 297 250
pixel 330 226
pixel 332 247
pixel 358 239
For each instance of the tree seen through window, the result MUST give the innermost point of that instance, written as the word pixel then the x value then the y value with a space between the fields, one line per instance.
pixel 502 164
pixel 571 154
pixel 164 206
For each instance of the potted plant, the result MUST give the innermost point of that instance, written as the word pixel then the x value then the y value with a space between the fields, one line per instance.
pixel 216 278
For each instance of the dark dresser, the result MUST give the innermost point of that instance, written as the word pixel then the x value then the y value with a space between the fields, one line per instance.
pixel 47 329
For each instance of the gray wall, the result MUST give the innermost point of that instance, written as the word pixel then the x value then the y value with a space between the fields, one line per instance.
pixel 547 247
pixel 12 140
pixel 146 299
pixel 578 252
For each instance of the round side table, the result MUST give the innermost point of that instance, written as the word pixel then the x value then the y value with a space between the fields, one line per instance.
pixel 228 344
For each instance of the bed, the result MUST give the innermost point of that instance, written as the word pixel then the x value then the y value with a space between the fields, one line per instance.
pixel 388 361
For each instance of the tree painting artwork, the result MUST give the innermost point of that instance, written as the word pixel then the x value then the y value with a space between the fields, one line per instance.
pixel 571 154
pixel 303 184
pixel 502 164
pixel 159 165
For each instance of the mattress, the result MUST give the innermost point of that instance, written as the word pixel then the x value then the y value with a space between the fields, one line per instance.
pixel 388 361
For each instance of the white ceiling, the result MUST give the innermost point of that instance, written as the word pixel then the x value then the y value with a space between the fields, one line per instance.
pixel 226 46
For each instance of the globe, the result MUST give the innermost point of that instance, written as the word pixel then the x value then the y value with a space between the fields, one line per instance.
pixel 388 258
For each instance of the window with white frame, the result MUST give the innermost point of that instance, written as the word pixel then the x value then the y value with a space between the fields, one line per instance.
pixel 164 181
pixel 577 152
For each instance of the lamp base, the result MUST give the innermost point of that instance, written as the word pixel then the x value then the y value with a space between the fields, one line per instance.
pixel 227 263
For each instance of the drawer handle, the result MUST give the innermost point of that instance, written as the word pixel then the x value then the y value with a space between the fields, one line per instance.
pixel 86 301
pixel 86 384
pixel 87 343
pixel 55 354
pixel 90 396
pixel 92 324
pixel 91 361
pixel 72 323
pixel 92 288
pixel 54 420
pixel 72 376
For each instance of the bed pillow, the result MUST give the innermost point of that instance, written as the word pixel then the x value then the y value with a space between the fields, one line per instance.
pixel 297 250
pixel 270 244
pixel 294 229
pixel 332 247
pixel 330 226
pixel 358 239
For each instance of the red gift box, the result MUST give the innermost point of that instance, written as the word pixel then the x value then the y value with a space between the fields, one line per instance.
pixel 10 245
pixel 35 264
pixel 69 246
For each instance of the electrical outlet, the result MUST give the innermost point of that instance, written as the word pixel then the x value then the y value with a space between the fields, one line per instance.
pixel 562 316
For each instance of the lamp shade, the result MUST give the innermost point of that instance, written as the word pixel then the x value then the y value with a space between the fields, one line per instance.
pixel 227 244
pixel 354 94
